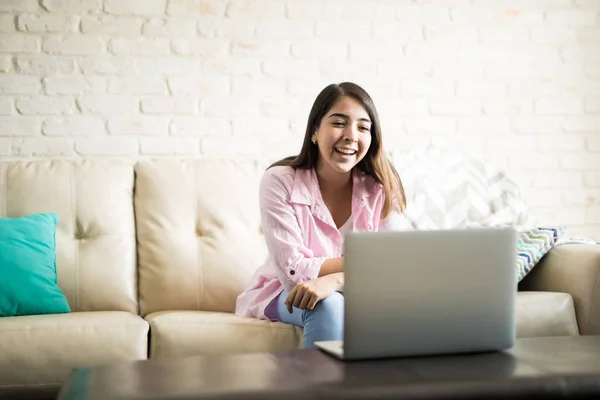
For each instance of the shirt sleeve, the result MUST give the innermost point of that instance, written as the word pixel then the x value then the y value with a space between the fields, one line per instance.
pixel 295 262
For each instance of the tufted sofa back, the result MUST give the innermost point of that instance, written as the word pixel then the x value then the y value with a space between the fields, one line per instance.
pixel 95 238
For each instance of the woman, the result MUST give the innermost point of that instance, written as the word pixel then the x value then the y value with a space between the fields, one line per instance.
pixel 341 181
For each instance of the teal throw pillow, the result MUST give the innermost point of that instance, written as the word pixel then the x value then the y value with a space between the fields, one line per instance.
pixel 28 281
pixel 532 245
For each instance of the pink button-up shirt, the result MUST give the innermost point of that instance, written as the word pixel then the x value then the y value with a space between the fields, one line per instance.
pixel 300 232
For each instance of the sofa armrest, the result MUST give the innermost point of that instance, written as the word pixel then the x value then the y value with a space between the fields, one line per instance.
pixel 573 269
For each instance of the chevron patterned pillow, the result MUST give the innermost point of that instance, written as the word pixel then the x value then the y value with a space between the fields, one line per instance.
pixel 532 245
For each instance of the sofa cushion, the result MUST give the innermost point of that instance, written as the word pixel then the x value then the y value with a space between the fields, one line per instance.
pixel 199 232
pixel 41 350
pixel 545 314
pixel 184 333
pixel 28 267
pixel 95 235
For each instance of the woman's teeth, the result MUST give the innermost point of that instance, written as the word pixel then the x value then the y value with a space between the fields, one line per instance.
pixel 346 152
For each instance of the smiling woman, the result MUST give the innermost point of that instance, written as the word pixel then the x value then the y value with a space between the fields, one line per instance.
pixel 340 181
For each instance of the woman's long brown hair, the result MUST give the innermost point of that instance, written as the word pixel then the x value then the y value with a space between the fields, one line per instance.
pixel 375 163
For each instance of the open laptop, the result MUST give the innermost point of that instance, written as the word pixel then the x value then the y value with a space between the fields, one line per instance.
pixel 424 293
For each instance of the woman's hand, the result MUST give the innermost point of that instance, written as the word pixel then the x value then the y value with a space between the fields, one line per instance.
pixel 307 294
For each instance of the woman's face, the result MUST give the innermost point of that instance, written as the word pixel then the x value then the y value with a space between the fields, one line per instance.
pixel 343 136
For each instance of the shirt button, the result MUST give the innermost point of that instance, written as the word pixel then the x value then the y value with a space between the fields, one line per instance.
pixel 292 272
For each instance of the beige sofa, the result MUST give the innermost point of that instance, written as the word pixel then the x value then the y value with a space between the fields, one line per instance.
pixel 151 256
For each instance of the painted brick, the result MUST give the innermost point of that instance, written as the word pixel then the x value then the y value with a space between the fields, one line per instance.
pixel 559 105
pixel 19 5
pixel 111 25
pixel 54 85
pixel 19 44
pixel 79 45
pixel 315 9
pixel 46 105
pixel 479 88
pixel 167 105
pixel 5 147
pixel 592 105
pixel 137 85
pixel 264 9
pixel 234 66
pixel 593 143
pixel 586 124
pixel 169 146
pixel 42 147
pixel 504 35
pixel 199 126
pixel 320 49
pixel 44 65
pixel 538 124
pixel 199 47
pixel 571 17
pixel 243 86
pixel 507 106
pixel 140 46
pixel 142 125
pixel 558 179
pixel 199 85
pixel 107 147
pixel 234 106
pixel 6 63
pixel 592 179
pixel 168 66
pixel 257 126
pixel 284 29
pixel 454 106
pixel 7 23
pixel 291 68
pixel 108 65
pixel 7 106
pixel 344 30
pixel 72 6
pixel 108 105
pixel 560 142
pixel 75 125
pixel 195 8
pixel 369 50
pixel 136 7
pixel 581 197
pixel 173 27
pixel 484 125
pixel 216 27
pixel 19 84
pixel 230 145
pixel 431 125
pixel 52 23
pixel 20 126
pixel 260 48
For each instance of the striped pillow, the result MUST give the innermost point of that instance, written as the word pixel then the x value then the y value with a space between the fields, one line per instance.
pixel 532 245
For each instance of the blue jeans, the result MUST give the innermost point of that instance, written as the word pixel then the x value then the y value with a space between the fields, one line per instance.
pixel 324 322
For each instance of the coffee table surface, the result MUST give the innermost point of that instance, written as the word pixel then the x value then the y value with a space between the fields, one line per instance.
pixel 554 366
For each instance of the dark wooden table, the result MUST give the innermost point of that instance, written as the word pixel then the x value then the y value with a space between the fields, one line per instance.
pixel 559 367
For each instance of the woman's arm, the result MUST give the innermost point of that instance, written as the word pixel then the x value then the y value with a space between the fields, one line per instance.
pixel 332 266
pixel 296 263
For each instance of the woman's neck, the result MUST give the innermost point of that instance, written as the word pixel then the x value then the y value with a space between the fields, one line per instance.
pixel 332 182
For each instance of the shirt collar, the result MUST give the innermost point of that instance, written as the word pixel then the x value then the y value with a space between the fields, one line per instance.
pixel 305 189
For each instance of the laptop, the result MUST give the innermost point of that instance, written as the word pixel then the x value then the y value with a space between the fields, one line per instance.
pixel 425 293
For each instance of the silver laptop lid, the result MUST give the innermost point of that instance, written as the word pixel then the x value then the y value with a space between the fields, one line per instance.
pixel 429 292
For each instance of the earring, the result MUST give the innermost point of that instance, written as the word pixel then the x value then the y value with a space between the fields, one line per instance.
pixel 314 141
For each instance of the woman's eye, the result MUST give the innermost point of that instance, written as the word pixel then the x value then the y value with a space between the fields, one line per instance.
pixel 364 128
pixel 338 123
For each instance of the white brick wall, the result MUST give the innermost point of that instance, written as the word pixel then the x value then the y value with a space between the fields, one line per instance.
pixel 515 80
